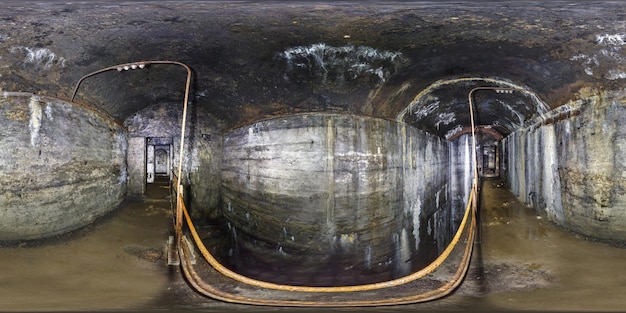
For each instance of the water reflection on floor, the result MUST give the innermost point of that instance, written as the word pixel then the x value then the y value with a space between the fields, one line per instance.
pixel 233 251
pixel 580 274
pixel 522 263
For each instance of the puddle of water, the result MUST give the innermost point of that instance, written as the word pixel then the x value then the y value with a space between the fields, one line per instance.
pixel 523 263
pixel 585 275
pixel 305 270
pixel 112 264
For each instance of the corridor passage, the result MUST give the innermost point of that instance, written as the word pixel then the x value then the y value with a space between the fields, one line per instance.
pixel 523 262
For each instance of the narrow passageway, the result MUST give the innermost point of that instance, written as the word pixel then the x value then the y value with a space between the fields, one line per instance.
pixel 530 264
pixel 522 262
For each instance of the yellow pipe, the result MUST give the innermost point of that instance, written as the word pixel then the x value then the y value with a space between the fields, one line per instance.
pixel 445 289
pixel 218 294
pixel 268 285
pixel 141 65
pixel 471 206
pixel 206 289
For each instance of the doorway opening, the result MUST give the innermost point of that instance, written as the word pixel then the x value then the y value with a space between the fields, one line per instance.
pixel 490 162
pixel 159 155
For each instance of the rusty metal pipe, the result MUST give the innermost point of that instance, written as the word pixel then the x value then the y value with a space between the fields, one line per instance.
pixel 445 289
pixel 386 284
pixel 141 65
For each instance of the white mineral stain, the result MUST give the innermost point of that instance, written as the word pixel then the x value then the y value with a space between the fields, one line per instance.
pixel 404 257
pixel 355 61
pixel 36 115
pixel 347 240
pixel 427 109
pixel 445 119
pixel 49 112
pixel 40 57
pixel 611 40
pixel 609 55
pixel 453 131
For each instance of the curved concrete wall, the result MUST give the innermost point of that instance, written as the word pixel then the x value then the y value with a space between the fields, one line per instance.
pixel 324 191
pixel 574 170
pixel 61 167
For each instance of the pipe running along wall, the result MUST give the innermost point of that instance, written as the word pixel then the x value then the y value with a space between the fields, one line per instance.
pixel 347 152
pixel 331 193
pixel 330 228
pixel 140 65
pixel 209 290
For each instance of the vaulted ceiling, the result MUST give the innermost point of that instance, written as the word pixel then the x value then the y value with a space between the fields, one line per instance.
pixel 410 61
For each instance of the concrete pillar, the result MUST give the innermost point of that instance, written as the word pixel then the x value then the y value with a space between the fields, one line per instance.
pixel 136 166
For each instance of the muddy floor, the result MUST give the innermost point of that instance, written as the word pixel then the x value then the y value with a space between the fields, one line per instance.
pixel 522 262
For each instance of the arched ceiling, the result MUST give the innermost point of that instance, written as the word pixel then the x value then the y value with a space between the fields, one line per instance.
pixel 499 107
pixel 253 60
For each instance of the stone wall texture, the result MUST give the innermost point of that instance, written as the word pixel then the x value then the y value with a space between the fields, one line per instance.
pixel 61 167
pixel 573 170
pixel 337 191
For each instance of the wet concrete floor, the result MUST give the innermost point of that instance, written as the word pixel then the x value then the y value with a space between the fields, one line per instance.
pixel 522 262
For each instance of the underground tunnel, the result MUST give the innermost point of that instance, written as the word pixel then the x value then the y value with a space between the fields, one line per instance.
pixel 323 144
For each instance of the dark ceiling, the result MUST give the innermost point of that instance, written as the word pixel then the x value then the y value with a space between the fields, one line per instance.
pixel 254 60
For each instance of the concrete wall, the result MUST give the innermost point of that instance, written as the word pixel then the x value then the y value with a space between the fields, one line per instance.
pixel 460 179
pixel 136 161
pixel 573 170
pixel 202 156
pixel 337 191
pixel 204 163
pixel 534 169
pixel 61 167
